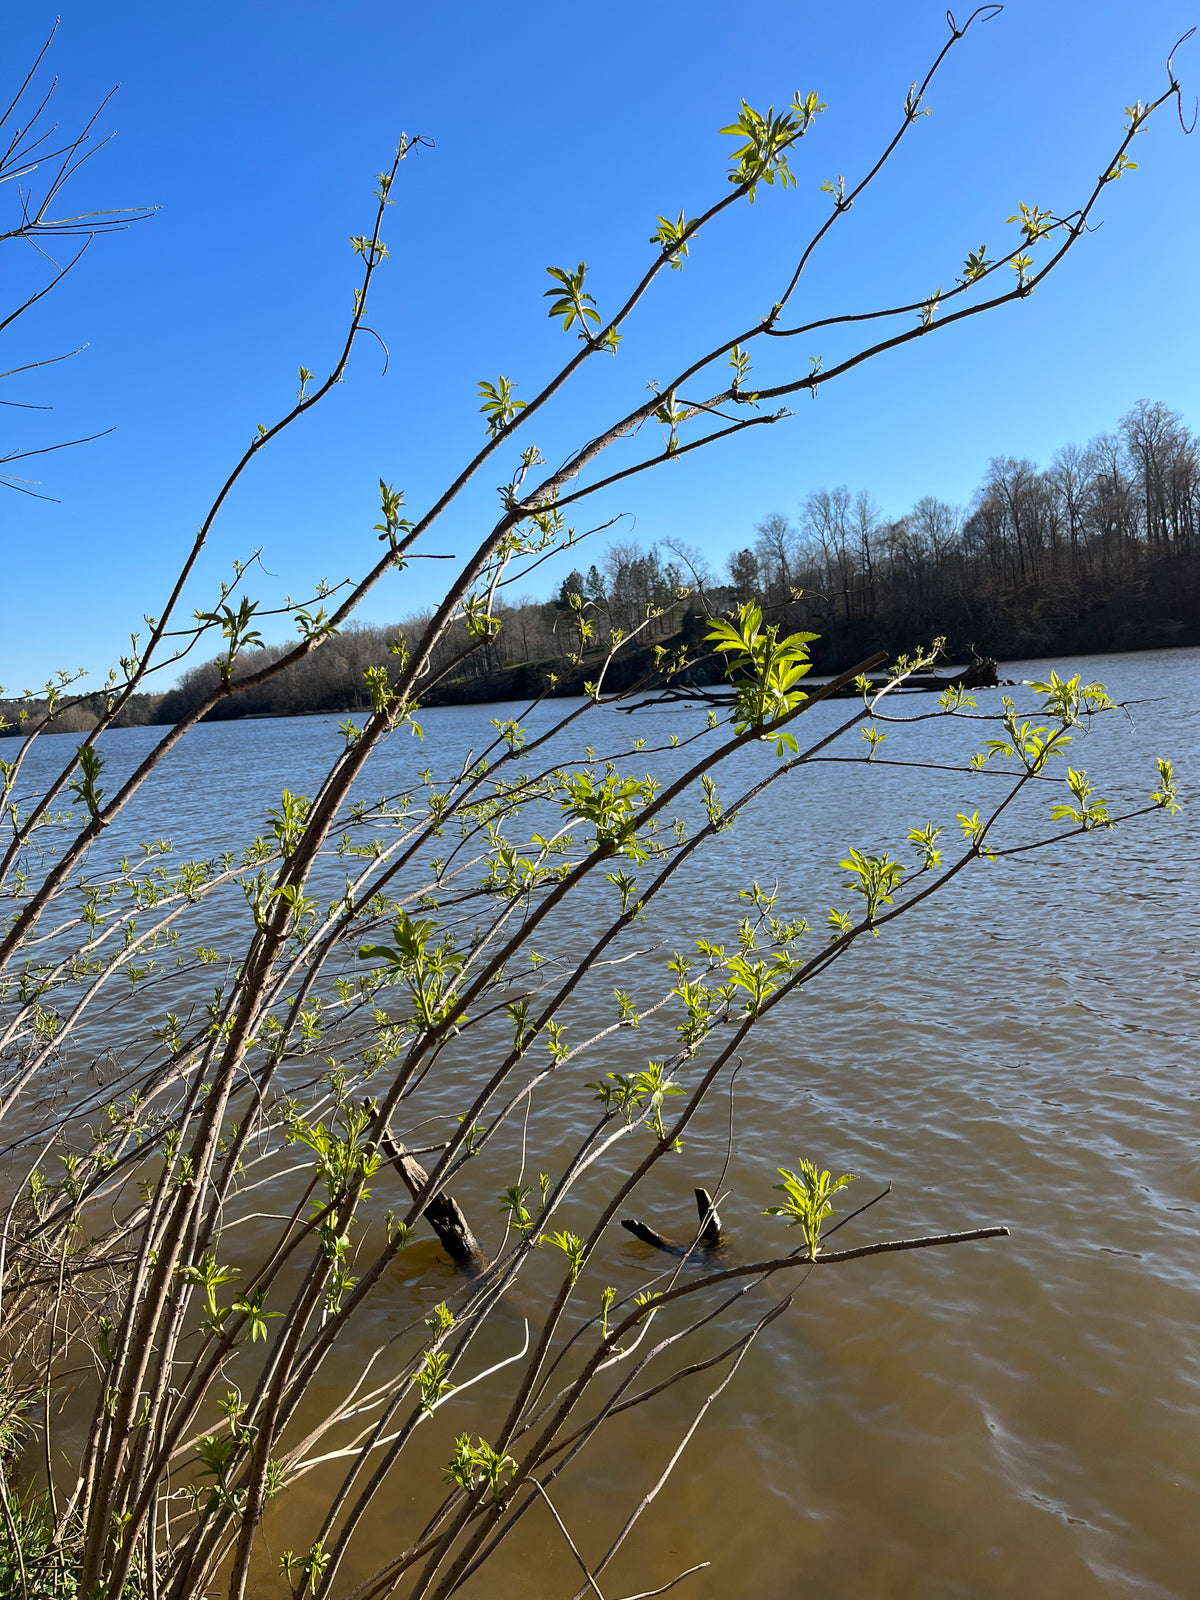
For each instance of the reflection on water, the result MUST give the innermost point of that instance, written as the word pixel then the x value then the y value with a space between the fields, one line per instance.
pixel 1013 1418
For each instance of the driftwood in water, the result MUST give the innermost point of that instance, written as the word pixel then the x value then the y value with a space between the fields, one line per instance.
pixel 981 674
pixel 710 1222
pixel 644 1232
pixel 443 1214
pixel 709 1235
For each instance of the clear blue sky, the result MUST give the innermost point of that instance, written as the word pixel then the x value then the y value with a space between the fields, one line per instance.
pixel 560 132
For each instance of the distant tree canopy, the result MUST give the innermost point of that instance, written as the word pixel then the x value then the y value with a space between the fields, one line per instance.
pixel 1098 551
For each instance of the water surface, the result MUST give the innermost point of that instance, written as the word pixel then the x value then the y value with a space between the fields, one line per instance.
pixel 1008 1419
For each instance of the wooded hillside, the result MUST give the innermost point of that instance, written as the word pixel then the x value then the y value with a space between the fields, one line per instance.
pixel 1098 551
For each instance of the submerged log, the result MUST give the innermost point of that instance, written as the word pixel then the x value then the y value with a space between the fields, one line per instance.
pixel 710 1222
pixel 443 1213
pixel 644 1232
pixel 709 1235
pixel 981 674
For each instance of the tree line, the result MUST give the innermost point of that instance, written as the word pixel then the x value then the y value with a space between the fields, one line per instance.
pixel 1095 552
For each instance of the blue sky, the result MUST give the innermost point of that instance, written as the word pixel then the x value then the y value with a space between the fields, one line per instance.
pixel 560 133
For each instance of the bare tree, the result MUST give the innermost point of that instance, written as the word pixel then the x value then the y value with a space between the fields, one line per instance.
pixel 775 550
pixel 38 163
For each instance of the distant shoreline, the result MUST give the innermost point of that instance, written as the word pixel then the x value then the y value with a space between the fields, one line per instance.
pixel 944 669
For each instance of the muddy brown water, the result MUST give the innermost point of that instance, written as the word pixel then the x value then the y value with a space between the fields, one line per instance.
pixel 1015 1418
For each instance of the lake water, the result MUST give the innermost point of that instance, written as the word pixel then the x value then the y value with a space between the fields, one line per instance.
pixel 1014 1418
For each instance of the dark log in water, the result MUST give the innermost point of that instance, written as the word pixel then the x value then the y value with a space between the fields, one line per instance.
pixel 979 675
pixel 710 1222
pixel 443 1214
pixel 709 1235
